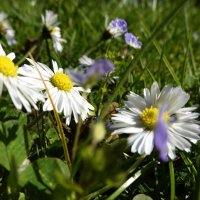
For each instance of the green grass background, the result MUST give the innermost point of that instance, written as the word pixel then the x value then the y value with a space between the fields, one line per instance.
pixel 172 57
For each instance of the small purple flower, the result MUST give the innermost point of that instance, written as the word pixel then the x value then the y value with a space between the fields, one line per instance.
pixel 132 40
pixel 117 27
pixel 100 67
pixel 161 136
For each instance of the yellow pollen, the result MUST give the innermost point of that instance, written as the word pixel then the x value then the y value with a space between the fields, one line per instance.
pixel 62 81
pixel 7 67
pixel 149 117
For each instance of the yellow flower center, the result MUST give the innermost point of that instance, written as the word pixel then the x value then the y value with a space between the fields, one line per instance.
pixel 62 81
pixel 7 67
pixel 149 117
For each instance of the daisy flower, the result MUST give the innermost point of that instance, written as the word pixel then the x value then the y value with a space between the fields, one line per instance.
pixel 6 29
pixel 117 27
pixel 20 93
pixel 161 114
pixel 132 40
pixel 65 95
pixel 51 30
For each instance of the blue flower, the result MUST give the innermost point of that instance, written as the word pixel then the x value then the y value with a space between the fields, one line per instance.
pixel 132 40
pixel 161 136
pixel 100 67
pixel 117 27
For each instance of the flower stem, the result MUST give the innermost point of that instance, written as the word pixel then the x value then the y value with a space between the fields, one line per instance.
pixel 172 180
pixel 77 135
pixel 136 164
pixel 48 51
pixel 60 128
pixel 125 185
pixel 30 51
pixel 101 97
pixel 96 193
pixel 97 45
pixel 131 180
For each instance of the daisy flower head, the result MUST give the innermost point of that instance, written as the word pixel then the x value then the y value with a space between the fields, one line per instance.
pixel 6 29
pixel 51 30
pixel 132 40
pixel 158 118
pixel 117 27
pixel 20 93
pixel 64 93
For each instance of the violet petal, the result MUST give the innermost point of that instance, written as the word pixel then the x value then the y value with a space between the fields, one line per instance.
pixel 161 136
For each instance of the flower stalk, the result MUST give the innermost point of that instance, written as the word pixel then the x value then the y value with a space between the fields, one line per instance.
pixel 60 128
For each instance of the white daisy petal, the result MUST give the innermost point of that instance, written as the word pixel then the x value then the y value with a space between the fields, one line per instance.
pixel 1 83
pixel 47 105
pixel 188 109
pixel 179 141
pixel 162 113
pixel 128 130
pixel 185 132
pixel 131 139
pixel 11 56
pixel 136 143
pixel 67 106
pixel 55 66
pixel 60 102
pixel 149 143
pixel 2 52
pixel 178 99
pixel 123 118
pixel 154 93
pixel 23 101
pixel 13 93
pixel 118 126
pixel 171 151
pixel 136 101
pixel 147 97
pixel 74 107
pixel 85 60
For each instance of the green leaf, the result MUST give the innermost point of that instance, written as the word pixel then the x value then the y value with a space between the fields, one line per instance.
pixel 12 181
pixel 21 196
pixel 4 161
pixel 43 173
pixel 66 189
pixel 14 142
